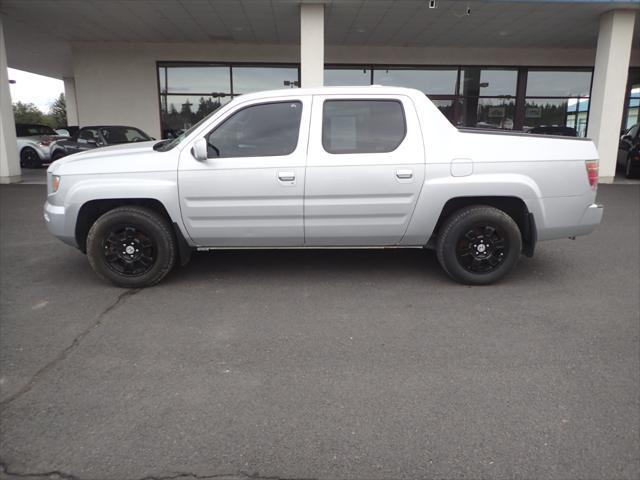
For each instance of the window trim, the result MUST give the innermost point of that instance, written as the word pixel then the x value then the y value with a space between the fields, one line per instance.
pixel 245 107
pixel 395 100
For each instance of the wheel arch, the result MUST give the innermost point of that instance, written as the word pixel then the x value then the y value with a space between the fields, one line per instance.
pixel 31 147
pixel 513 206
pixel 91 210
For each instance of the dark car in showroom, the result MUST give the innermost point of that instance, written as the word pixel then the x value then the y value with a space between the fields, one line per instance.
pixel 629 152
pixel 98 136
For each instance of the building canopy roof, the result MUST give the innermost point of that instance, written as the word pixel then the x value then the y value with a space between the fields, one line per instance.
pixel 39 33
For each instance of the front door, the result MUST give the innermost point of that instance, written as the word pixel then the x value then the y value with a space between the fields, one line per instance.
pixel 365 170
pixel 249 192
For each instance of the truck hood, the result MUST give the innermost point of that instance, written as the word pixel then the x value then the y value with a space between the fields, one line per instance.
pixel 126 158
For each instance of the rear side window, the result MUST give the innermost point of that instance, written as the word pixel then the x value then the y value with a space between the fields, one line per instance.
pixel 362 126
pixel 262 130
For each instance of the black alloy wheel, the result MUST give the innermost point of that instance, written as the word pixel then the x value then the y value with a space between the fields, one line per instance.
pixel 132 246
pixel 478 245
pixel 482 248
pixel 29 158
pixel 128 250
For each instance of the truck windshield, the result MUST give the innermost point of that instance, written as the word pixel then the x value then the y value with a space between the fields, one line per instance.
pixel 168 144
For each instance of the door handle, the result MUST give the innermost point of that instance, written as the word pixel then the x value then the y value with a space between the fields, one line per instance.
pixel 404 173
pixel 286 176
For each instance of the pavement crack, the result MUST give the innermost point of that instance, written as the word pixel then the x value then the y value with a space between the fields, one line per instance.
pixel 53 474
pixel 57 474
pixel 177 476
pixel 227 476
pixel 72 346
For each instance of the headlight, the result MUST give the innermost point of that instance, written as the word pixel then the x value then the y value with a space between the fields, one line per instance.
pixel 55 183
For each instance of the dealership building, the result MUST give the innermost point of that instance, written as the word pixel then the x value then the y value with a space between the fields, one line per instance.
pixel 161 65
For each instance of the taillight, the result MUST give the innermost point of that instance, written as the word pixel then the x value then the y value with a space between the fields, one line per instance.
pixel 592 173
pixel 46 141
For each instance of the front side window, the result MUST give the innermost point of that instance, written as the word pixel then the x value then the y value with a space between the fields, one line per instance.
pixel 114 135
pixel 89 135
pixel 362 126
pixel 263 130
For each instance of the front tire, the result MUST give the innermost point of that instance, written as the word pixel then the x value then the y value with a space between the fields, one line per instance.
pixel 478 245
pixel 29 158
pixel 132 247
pixel 57 155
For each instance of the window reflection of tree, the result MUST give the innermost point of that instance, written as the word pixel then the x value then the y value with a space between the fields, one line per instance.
pixel 189 114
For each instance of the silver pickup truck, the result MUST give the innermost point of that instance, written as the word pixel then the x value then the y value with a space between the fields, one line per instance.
pixel 322 168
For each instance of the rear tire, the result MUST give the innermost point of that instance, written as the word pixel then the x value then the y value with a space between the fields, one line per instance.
pixel 29 158
pixel 132 247
pixel 478 245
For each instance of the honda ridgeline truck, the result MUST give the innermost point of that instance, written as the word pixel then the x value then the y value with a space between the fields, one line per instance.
pixel 316 168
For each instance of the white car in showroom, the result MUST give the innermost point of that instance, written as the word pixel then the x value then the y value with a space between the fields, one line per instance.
pixel 35 144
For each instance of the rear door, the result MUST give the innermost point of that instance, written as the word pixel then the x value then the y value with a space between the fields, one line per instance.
pixel 249 192
pixel 365 170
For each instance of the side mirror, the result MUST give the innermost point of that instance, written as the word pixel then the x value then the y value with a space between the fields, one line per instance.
pixel 199 150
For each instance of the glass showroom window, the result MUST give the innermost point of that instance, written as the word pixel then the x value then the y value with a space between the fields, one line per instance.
pixel 431 82
pixel 632 110
pixel 191 91
pixel 487 98
pixel 256 79
pixel 438 83
pixel 342 77
pixel 180 112
pixel 188 93
pixel 557 98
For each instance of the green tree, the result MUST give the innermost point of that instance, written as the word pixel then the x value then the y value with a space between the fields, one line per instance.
pixel 27 113
pixel 58 111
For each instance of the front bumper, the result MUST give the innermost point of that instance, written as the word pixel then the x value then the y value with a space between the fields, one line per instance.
pixel 56 220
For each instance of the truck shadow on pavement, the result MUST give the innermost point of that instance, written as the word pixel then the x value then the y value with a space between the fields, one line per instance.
pixel 321 265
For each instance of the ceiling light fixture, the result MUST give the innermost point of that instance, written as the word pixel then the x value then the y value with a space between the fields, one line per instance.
pixel 433 4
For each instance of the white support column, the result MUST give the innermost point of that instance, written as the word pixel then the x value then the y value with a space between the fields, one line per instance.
pixel 9 161
pixel 609 86
pixel 312 44
pixel 70 100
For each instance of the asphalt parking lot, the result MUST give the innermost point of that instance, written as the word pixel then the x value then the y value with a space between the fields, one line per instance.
pixel 321 364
